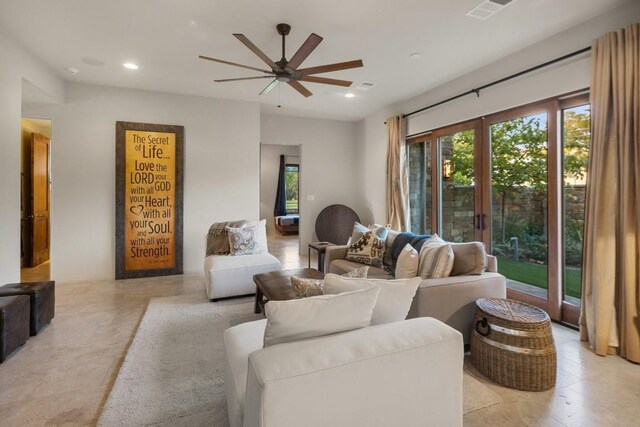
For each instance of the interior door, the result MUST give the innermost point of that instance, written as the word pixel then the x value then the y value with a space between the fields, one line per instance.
pixel 39 206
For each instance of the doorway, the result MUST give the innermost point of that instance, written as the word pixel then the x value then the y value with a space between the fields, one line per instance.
pixel 514 180
pixel 280 184
pixel 35 196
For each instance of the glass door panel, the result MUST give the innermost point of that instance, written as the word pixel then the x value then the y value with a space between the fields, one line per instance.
pixel 576 136
pixel 518 216
pixel 420 193
pixel 457 186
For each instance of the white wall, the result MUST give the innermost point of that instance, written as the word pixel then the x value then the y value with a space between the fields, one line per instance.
pixel 269 171
pixel 556 80
pixel 328 172
pixel 221 170
pixel 16 65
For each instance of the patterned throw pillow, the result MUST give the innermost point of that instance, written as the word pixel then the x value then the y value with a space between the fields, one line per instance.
pixel 304 287
pixel 369 247
pixel 218 237
pixel 436 259
pixel 242 241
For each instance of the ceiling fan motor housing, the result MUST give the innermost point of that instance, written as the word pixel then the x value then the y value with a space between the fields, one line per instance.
pixel 283 29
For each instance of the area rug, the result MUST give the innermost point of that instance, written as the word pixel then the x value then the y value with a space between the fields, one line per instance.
pixel 172 374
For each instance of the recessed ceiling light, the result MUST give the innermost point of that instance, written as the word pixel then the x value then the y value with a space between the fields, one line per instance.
pixel 349 95
pixel 130 66
pixel 192 23
pixel 72 71
pixel 416 55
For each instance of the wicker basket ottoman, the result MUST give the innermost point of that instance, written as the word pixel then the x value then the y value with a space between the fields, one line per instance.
pixel 512 344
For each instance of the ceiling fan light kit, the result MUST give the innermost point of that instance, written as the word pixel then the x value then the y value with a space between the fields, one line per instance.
pixel 288 71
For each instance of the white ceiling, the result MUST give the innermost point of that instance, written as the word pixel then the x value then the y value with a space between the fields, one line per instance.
pixel 165 38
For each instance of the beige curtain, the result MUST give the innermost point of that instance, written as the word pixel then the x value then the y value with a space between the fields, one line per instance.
pixel 397 188
pixel 609 317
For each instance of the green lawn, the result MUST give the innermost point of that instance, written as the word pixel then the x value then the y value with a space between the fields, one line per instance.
pixel 536 274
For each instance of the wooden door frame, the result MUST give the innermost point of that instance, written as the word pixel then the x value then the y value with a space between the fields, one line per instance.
pixel 551 304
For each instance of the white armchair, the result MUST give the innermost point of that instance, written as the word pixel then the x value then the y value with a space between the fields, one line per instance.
pixel 227 275
pixel 406 373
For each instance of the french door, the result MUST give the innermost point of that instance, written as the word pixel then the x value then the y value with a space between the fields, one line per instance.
pixel 515 181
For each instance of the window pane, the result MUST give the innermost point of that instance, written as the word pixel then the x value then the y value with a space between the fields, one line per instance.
pixel 576 136
pixel 458 181
pixel 292 182
pixel 420 187
pixel 519 202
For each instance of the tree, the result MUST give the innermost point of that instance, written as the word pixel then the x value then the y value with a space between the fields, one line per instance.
pixel 519 155
pixel 576 138
pixel 518 159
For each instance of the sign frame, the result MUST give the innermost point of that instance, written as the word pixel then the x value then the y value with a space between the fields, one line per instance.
pixel 121 170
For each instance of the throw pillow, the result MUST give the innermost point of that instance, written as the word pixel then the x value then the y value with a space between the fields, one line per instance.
pixel 394 299
pixel 242 241
pixel 218 237
pixel 407 264
pixel 299 319
pixel 469 258
pixel 304 287
pixel 261 234
pixel 436 259
pixel 370 247
pixel 358 231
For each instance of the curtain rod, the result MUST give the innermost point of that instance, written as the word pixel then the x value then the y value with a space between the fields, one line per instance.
pixel 502 80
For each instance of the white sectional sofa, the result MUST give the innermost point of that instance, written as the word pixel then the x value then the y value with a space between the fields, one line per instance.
pixel 450 300
pixel 407 373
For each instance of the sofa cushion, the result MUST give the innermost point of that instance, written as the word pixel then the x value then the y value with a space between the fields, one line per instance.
pixel 391 237
pixel 408 262
pixel 298 319
pixel 469 258
pixel 227 276
pixel 305 287
pixel 394 299
pixel 225 262
pixel 436 258
pixel 342 266
pixel 370 247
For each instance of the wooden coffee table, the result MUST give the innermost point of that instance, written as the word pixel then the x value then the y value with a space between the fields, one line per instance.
pixel 276 285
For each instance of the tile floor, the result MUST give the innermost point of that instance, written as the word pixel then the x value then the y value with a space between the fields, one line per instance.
pixel 64 375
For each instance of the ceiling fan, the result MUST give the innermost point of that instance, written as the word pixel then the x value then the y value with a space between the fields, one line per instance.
pixel 287 71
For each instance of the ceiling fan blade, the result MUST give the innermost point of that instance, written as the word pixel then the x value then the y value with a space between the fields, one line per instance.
pixel 305 50
pixel 243 78
pixel 234 64
pixel 268 88
pixel 332 67
pixel 256 50
pixel 297 86
pixel 326 81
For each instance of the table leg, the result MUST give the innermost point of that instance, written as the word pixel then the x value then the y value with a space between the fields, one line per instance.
pixel 256 307
pixel 309 257
pixel 321 262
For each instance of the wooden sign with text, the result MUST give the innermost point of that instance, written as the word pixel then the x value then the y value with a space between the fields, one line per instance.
pixel 149 193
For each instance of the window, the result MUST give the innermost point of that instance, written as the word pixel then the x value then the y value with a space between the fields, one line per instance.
pixel 576 137
pixel 292 185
